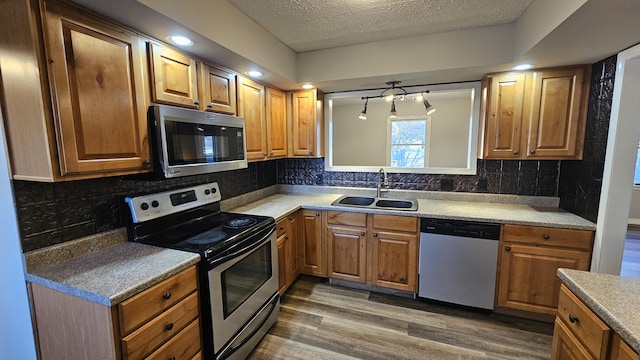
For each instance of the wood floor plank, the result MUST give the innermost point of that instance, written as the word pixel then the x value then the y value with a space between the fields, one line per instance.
pixel 323 321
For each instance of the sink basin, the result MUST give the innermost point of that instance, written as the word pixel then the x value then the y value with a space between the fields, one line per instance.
pixel 401 204
pixel 356 200
pixel 380 203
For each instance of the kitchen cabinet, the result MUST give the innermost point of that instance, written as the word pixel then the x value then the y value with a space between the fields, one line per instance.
pixel 87 118
pixel 312 245
pixel 217 89
pixel 158 323
pixel 286 232
pixel 251 106
pixel 620 350
pixel 535 115
pixel 347 243
pixel 376 249
pixel 528 260
pixel 179 79
pixel 307 116
pixel 173 77
pixel 394 251
pixel 276 135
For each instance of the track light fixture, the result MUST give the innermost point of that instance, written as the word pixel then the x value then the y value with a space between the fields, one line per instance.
pixel 397 92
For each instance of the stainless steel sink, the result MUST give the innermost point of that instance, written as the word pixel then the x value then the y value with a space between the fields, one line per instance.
pixel 379 203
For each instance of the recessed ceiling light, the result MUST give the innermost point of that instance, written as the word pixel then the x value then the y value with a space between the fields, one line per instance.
pixel 180 40
pixel 307 86
pixel 254 73
pixel 523 67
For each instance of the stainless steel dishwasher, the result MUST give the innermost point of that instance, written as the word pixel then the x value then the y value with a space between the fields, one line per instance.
pixel 458 261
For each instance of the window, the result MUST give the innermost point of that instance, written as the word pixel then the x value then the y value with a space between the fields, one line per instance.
pixel 407 143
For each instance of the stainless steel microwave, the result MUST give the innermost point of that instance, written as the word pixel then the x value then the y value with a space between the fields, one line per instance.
pixel 190 142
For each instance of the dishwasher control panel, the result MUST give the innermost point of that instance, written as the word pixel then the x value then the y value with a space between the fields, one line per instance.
pixel 462 228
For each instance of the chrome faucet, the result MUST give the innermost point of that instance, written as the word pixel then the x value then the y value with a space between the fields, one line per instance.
pixel 383 185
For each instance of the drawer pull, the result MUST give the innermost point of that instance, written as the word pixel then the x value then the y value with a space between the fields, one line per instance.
pixel 507 248
pixel 573 319
pixel 546 237
pixel 172 358
pixel 375 234
pixel 169 327
pixel 166 296
pixel 281 227
pixel 362 233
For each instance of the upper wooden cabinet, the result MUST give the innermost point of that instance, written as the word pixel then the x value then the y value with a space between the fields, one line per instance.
pixel 95 123
pixel 173 77
pixel 307 116
pixel 276 108
pixel 538 114
pixel 251 106
pixel 217 89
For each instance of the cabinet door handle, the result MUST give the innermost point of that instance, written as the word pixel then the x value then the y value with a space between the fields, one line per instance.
pixel 375 234
pixel 573 319
pixel 281 227
pixel 362 233
pixel 271 153
pixel 166 296
pixel 209 105
pixel 264 154
pixel 169 326
pixel 507 248
pixel 310 152
pixel 402 278
pixel 146 163
pixel 172 358
pixel 197 102
pixel 379 275
pixel 532 152
pixel 317 214
pixel 516 152
pixel 546 237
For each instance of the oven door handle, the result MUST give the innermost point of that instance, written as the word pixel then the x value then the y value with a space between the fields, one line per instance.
pixel 254 245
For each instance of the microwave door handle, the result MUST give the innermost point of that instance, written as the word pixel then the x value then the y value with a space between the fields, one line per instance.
pixel 217 261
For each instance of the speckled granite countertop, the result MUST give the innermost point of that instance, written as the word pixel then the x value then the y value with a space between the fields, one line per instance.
pixel 615 299
pixel 280 205
pixel 104 268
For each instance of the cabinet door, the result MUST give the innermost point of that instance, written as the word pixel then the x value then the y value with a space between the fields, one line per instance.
pixel 292 247
pixel 557 113
pixel 312 250
pixel 527 276
pixel 276 123
pixel 347 253
pixel 620 350
pixel 282 263
pixel 218 90
pixel 173 77
pixel 505 100
pixel 251 108
pixel 394 260
pixel 96 78
pixel 565 345
pixel 306 124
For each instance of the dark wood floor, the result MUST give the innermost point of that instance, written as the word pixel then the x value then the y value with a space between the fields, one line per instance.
pixel 322 321
pixel 631 255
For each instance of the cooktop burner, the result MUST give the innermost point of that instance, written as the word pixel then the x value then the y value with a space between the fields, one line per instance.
pixel 240 223
pixel 207 238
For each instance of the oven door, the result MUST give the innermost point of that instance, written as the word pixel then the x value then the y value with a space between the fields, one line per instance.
pixel 242 287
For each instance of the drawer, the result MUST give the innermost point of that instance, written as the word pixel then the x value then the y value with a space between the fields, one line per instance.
pixel 347 218
pixel 140 308
pixel 583 323
pixel 391 222
pixel 569 238
pixel 157 331
pixel 281 227
pixel 184 346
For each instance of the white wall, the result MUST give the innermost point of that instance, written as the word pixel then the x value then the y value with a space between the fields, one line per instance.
pixel 16 333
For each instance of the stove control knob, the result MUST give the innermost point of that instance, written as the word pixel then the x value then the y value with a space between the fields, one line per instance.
pixel 155 203
pixel 207 192
pixel 144 206
pixel 214 190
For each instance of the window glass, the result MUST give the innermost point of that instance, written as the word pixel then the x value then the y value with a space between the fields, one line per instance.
pixel 407 143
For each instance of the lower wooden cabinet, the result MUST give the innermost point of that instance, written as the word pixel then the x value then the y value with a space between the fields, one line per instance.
pixel 528 261
pixel 312 245
pixel 287 234
pixel 376 249
pixel 581 335
pixel 161 322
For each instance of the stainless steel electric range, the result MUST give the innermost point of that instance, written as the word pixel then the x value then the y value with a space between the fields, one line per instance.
pixel 238 274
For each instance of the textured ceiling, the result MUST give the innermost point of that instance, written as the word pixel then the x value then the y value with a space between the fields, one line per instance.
pixel 305 25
